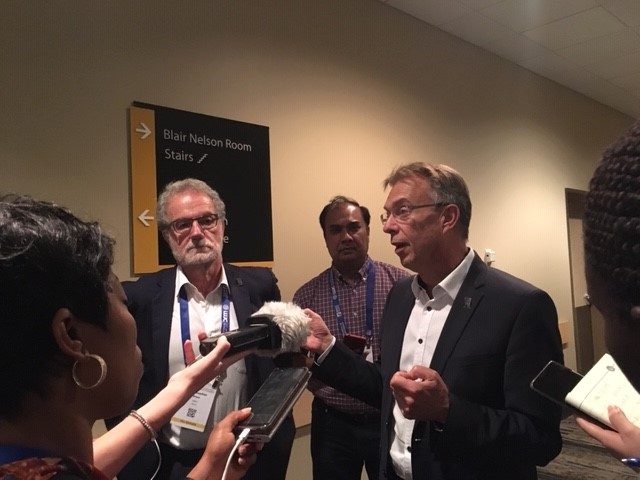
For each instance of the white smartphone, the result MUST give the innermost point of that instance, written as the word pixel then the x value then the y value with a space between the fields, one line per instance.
pixel 273 401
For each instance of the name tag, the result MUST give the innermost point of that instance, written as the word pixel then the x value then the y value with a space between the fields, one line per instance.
pixel 195 412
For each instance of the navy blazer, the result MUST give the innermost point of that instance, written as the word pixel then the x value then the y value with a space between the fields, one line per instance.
pixel 151 300
pixel 499 334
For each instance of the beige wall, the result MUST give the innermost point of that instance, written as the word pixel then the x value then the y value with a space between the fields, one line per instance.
pixel 349 88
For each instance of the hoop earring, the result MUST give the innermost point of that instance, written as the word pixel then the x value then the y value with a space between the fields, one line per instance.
pixel 103 372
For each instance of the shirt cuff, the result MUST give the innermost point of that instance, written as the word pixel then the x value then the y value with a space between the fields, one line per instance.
pixel 320 358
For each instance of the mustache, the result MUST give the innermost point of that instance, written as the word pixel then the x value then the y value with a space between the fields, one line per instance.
pixel 199 245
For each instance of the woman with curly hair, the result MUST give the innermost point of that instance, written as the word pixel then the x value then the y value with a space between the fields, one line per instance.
pixel 68 356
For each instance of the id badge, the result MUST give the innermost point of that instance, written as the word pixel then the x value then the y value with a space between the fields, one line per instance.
pixel 195 412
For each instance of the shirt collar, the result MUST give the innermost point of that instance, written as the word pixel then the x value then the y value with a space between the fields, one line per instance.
pixel 363 270
pixel 183 281
pixel 451 284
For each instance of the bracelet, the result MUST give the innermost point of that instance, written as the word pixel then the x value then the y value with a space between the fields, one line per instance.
pixel 144 423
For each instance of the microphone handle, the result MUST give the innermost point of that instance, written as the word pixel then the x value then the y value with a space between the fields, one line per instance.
pixel 247 338
pixel 254 336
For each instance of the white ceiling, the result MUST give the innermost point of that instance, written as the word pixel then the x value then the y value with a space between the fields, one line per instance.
pixel 590 46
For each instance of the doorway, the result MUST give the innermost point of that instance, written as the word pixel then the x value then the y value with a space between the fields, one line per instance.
pixel 588 324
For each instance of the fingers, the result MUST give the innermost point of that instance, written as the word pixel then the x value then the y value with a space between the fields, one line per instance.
pixel 250 448
pixel 619 420
pixel 189 354
pixel 319 338
pixel 312 315
pixel 591 428
pixel 234 417
pixel 418 373
pixel 609 438
pixel 420 394
pixel 316 323
pixel 404 390
pixel 216 355
pixel 247 454
pixel 210 365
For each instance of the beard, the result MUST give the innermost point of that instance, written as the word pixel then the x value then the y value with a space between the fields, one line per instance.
pixel 203 254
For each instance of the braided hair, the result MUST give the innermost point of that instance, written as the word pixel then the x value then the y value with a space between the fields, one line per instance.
pixel 612 220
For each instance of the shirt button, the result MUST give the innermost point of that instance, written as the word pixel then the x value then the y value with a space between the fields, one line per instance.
pixel 419 340
pixel 409 449
pixel 428 309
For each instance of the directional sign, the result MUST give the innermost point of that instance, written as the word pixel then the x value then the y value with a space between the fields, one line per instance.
pixel 143 130
pixel 144 217
pixel 231 156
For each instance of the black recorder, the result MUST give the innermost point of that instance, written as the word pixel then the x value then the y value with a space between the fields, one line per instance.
pixel 273 401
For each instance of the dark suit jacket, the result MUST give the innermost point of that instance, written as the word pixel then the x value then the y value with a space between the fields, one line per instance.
pixel 151 299
pixel 500 332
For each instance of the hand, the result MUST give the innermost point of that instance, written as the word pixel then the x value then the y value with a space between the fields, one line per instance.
pixel 219 445
pixel 320 337
pixel 201 371
pixel 421 394
pixel 623 442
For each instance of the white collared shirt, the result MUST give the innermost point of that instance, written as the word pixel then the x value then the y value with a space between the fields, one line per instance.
pixel 421 336
pixel 205 315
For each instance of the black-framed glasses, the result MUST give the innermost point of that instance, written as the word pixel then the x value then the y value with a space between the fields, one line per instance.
pixel 402 213
pixel 183 225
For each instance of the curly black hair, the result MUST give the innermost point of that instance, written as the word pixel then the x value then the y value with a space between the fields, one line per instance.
pixel 611 224
pixel 49 259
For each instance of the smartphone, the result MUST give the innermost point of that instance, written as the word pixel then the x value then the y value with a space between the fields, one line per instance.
pixel 555 381
pixel 273 401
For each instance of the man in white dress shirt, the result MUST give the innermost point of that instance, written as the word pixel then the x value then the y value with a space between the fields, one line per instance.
pixel 200 294
pixel 460 344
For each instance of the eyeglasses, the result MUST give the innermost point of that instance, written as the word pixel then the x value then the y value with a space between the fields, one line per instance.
pixel 402 213
pixel 183 225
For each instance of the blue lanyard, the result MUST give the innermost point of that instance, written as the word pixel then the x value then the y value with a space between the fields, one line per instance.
pixel 184 313
pixel 371 283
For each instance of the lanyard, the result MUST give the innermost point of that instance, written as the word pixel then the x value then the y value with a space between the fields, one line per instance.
pixel 371 283
pixel 225 303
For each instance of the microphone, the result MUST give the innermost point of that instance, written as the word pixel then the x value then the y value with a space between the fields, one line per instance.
pixel 277 327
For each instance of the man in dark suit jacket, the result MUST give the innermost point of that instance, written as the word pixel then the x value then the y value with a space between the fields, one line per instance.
pixel 191 217
pixel 484 335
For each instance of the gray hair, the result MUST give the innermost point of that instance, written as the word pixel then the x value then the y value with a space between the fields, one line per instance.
pixel 447 184
pixel 179 186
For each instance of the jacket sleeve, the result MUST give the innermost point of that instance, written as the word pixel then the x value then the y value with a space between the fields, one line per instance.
pixel 348 372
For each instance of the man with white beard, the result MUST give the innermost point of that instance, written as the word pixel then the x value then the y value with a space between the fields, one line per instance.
pixel 199 294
